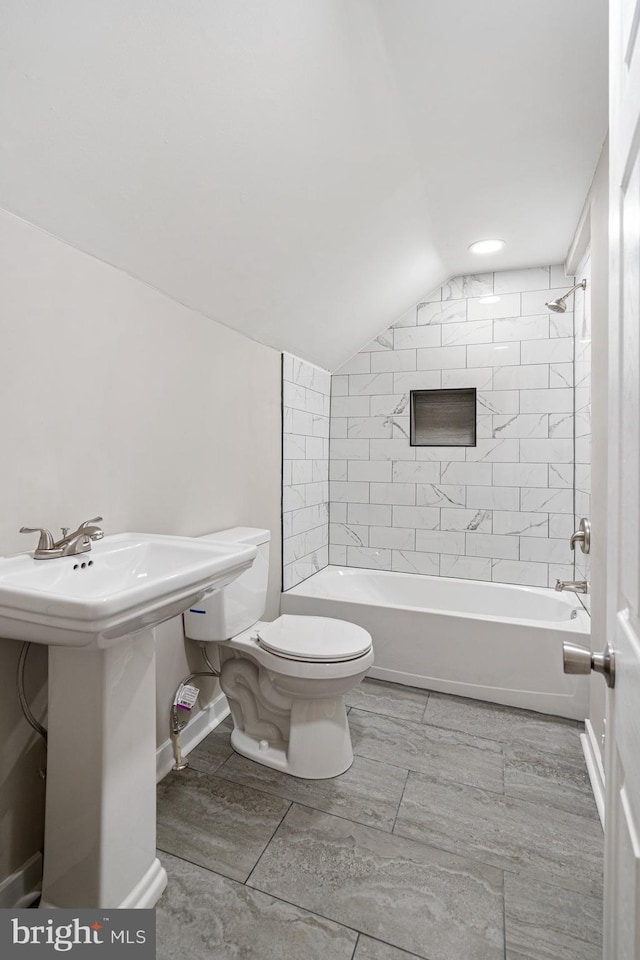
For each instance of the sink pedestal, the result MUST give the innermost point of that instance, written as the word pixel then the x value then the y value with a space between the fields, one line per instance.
pixel 100 823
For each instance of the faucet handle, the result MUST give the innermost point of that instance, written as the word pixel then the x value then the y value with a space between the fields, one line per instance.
pixel 85 523
pixel 46 539
pixel 95 533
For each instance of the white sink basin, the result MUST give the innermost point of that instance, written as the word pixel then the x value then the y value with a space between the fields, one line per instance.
pixel 127 582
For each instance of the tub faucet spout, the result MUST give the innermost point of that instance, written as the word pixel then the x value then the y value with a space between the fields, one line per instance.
pixel 573 586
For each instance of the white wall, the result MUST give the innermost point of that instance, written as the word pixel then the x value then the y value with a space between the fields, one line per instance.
pixel 305 469
pixel 115 400
pixel 501 510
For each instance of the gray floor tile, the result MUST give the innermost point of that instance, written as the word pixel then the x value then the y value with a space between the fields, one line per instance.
pixel 522 837
pixel 417 746
pixel 204 916
pixel 423 900
pixel 547 923
pixel 220 825
pixel 213 750
pixel 369 792
pixel 547 779
pixel 390 699
pixel 369 949
pixel 505 724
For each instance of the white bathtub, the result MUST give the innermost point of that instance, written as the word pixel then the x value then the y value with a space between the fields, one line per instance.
pixel 490 641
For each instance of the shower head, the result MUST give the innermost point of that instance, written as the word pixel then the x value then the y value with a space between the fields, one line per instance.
pixel 560 305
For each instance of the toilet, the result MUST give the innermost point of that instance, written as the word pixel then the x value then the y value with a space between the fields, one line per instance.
pixel 285 681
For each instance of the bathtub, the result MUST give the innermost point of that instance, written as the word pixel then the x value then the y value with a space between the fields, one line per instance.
pixel 489 641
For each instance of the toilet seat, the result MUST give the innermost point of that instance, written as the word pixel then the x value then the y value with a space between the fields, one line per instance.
pixel 313 639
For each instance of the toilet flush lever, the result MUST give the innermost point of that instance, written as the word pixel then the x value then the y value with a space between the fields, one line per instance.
pixel 582 536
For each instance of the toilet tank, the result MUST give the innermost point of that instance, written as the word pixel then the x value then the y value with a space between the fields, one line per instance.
pixel 239 605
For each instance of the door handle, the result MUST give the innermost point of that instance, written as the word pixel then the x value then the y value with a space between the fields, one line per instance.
pixel 577 659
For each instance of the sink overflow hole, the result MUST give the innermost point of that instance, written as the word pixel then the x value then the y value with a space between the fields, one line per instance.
pixel 81 566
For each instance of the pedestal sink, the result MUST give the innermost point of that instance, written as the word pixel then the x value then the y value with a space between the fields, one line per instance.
pixel 96 613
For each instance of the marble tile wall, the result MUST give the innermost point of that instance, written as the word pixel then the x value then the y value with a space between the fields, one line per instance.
pixel 502 510
pixel 583 414
pixel 305 469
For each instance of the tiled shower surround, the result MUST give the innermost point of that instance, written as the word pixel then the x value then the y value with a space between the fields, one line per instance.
pixel 305 469
pixel 502 510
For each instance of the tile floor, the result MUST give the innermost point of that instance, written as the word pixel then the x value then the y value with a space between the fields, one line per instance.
pixel 463 831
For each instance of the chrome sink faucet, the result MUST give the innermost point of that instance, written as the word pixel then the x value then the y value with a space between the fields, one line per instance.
pixel 572 586
pixel 69 544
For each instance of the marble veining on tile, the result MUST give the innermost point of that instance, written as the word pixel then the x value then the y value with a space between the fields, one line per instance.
pixel 421 899
pixel 392 700
pixel 369 949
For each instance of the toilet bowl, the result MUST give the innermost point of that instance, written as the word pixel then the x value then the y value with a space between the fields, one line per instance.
pixel 285 680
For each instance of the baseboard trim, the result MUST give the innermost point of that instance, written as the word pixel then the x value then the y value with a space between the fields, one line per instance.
pixel 24 886
pixel 196 730
pixel 594 766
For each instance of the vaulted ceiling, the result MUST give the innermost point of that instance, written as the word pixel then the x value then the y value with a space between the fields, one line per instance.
pixel 302 170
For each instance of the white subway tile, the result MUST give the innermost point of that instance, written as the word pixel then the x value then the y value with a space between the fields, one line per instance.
pixel 520 474
pixel 440 495
pixel 293 497
pixel 545 551
pixel 337 469
pixel 348 535
pixel 320 470
pixel 315 447
pixel 349 492
pixel 479 474
pixel 521 328
pixel 441 358
pixel 400 427
pixel 407 338
pixel 360 363
pixel 560 571
pixel 317 402
pixel 350 449
pixel 409 471
pixel 319 425
pixel 558 350
pixel 497 451
pixel 378 471
pixel 493 355
pixel 440 454
pixel 462 519
pixel 294 447
pixel 516 281
pixel 546 451
pixel 286 471
pixel 339 387
pixel 469 285
pixel 562 425
pixel 530 377
pixel 362 384
pixel 561 324
pixel 521 425
pixel 484 426
pixel 369 558
pixel 408 561
pixel 440 541
pixel 402 493
pixel 479 377
pixel 423 380
pixel 294 395
pixel 550 500
pixel 493 498
pixel 516 523
pixel 369 427
pixel 465 568
pixel 392 538
pixel 392 450
pixel 389 404
pixel 316 493
pixel 561 375
pixel 546 401
pixel 382 342
pixel 507 306
pixel 491 545
pixel 301 471
pixel 419 518
pixel 535 301
pixel 478 331
pixel 337 555
pixel 408 319
pixel 396 361
pixel 454 311
pixel 338 428
pixel 338 512
pixel 560 475
pixel 374 514
pixel 561 525
pixel 514 571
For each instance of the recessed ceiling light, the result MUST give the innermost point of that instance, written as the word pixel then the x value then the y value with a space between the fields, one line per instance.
pixel 490 299
pixel 486 246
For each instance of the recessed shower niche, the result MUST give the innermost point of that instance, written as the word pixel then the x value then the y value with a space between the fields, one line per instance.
pixel 443 418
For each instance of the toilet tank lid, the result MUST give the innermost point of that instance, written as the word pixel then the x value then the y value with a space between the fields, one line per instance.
pixel 253 535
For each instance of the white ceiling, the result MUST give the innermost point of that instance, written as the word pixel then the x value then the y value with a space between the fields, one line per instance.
pixel 302 170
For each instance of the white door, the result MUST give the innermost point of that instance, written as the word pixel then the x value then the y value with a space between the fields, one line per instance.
pixel 622 834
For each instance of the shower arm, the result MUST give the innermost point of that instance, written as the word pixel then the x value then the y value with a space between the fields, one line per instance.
pixel 583 284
